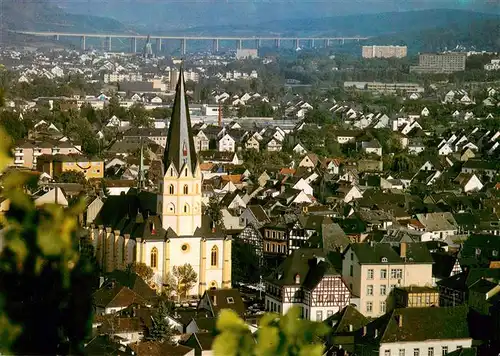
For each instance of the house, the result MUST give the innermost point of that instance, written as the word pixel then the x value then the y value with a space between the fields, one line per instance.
pixel 54 165
pixel 150 348
pixel 252 143
pixel 344 136
pixel 438 226
pixel 273 145
pixel 415 146
pixel 220 157
pixel 309 280
pixel 331 165
pixel 415 331
pixel 201 141
pixel 309 161
pixel 373 270
pixel 469 182
pixel 215 300
pixel 299 149
pixel 201 343
pixel 226 144
pixel 482 167
pixel 372 147
pixel 129 330
pixel 114 297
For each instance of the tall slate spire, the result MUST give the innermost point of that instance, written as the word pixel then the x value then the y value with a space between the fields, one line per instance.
pixel 180 144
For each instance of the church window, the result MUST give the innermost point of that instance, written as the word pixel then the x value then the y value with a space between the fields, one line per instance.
pixel 171 172
pixel 171 208
pixel 186 190
pixel 154 258
pixel 171 189
pixel 185 248
pixel 186 172
pixel 186 208
pixel 213 256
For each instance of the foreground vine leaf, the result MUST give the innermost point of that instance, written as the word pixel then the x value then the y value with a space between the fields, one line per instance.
pixel 277 336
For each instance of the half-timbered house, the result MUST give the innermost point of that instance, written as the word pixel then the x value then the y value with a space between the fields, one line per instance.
pixel 307 279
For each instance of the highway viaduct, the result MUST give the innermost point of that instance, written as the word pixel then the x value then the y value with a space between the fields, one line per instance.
pixel 183 40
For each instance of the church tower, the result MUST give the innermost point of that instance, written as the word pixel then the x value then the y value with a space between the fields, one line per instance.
pixel 179 200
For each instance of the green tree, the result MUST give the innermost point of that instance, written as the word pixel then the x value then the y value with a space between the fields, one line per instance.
pixel 318 116
pixel 142 270
pixel 278 335
pixel 245 263
pixel 213 210
pixel 138 116
pixel 160 329
pixel 71 177
pixel 46 282
pixel 186 278
pixel 12 124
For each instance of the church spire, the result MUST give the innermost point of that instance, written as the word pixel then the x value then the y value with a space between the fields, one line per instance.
pixel 180 145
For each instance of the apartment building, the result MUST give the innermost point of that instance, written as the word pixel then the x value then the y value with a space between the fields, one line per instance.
pixel 373 270
pixel 384 51
pixel 57 164
pixel 144 134
pixel 390 88
pixel 26 152
pixel 121 77
pixel 440 63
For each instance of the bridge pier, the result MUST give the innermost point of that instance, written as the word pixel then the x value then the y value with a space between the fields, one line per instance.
pixel 133 45
pixel 107 44
pixel 158 45
pixel 257 43
pixel 277 43
pixel 312 42
pixel 238 44
pixel 183 46
pixel 83 44
pixel 296 43
pixel 215 46
pixel 56 37
pixel 327 43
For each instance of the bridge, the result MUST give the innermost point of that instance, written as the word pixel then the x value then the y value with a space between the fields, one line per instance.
pixel 238 40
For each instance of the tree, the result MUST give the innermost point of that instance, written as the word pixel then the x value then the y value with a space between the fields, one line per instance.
pixel 160 329
pixel 186 278
pixel 46 282
pixel 213 210
pixel 71 177
pixel 12 124
pixel 287 335
pixel 142 270
pixel 138 116
pixel 245 263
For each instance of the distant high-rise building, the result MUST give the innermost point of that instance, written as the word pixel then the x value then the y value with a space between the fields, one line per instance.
pixel 440 63
pixel 384 51
pixel 246 53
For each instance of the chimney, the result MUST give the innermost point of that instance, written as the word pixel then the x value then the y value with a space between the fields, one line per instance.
pixel 402 250
pixel 350 327
pixel 364 330
pixel 400 320
pixel 376 333
pixel 214 300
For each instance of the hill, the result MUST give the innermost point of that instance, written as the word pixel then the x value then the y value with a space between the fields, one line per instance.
pixel 170 15
pixel 362 25
pixel 476 35
pixel 43 16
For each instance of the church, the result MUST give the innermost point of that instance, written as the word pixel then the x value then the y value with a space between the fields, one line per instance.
pixel 167 228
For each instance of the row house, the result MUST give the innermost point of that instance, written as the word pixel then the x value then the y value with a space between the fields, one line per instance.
pixel 307 279
pixel 27 152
